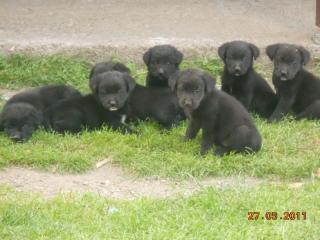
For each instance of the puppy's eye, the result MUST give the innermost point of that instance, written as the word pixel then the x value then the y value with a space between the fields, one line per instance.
pixel 196 91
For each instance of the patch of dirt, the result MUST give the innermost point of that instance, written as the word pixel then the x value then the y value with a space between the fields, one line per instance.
pixel 97 29
pixel 112 182
pixel 6 94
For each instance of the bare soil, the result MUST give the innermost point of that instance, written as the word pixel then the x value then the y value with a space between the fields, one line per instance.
pixel 111 182
pixel 101 29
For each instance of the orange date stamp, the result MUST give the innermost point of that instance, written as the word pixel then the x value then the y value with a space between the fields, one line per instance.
pixel 287 216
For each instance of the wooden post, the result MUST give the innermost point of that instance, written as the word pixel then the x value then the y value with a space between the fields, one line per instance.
pixel 318 13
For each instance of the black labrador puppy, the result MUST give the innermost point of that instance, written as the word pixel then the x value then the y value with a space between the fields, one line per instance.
pixel 297 89
pixel 85 112
pixel 118 91
pixel 89 112
pixel 162 61
pixel 23 113
pixel 240 80
pixel 223 119
pixel 105 67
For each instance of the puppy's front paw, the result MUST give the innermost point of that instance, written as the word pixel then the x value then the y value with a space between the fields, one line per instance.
pixel 203 152
pixel 273 119
pixel 298 118
pixel 186 138
pixel 219 152
pixel 129 130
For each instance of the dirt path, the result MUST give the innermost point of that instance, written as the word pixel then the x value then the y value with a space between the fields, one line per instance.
pixel 97 28
pixel 6 94
pixel 110 181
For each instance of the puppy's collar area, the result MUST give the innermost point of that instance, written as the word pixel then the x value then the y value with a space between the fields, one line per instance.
pixel 123 118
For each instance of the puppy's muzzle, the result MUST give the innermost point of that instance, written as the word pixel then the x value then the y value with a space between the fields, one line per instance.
pixel 237 71
pixel 161 72
pixel 284 75
pixel 113 106
pixel 187 103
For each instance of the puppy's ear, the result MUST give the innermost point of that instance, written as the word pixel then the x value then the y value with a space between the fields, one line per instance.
pixel 271 50
pixel 121 68
pixel 39 118
pixel 147 56
pixel 209 82
pixel 222 50
pixel 172 81
pixel 255 50
pixel 178 56
pixel 92 72
pixel 130 82
pixel 305 54
pixel 94 83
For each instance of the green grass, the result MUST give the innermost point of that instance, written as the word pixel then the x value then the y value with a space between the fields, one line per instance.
pixel 18 71
pixel 290 149
pixel 212 214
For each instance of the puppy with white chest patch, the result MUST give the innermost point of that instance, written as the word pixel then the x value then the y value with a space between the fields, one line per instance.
pixel 242 81
pixel 162 61
pixel 94 110
pixel 140 103
pixel 297 89
pixel 223 120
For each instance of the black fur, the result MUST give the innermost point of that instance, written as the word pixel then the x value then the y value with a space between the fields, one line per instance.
pixel 105 67
pixel 160 105
pixel 23 113
pixel 242 81
pixel 223 120
pixel 79 113
pixel 162 61
pixel 119 91
pixel 297 89
pixel 94 110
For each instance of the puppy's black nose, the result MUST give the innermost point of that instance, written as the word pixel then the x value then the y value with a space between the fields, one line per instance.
pixel 283 73
pixel 112 103
pixel 187 102
pixel 237 70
